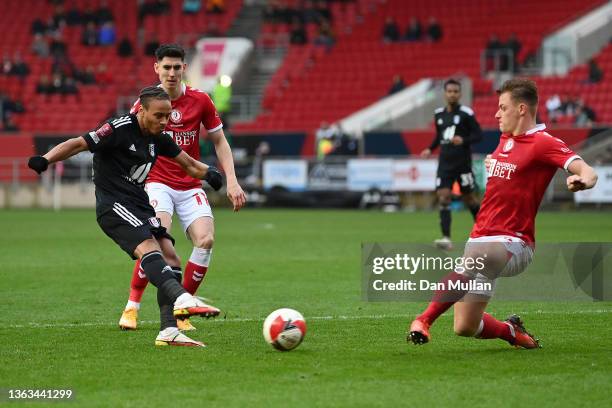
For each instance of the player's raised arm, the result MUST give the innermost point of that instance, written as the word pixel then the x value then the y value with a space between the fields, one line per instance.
pixel 199 170
pixel 583 176
pixel 224 154
pixel 60 152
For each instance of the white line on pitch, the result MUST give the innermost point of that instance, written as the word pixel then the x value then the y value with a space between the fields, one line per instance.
pixel 249 319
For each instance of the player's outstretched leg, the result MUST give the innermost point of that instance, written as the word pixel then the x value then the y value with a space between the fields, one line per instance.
pixel 129 317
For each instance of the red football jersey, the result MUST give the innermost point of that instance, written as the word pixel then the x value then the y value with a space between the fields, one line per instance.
pixel 190 110
pixel 521 169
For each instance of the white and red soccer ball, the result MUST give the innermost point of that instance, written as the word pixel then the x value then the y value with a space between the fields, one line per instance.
pixel 284 329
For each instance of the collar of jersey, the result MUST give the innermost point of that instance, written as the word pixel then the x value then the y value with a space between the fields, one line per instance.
pixel 538 128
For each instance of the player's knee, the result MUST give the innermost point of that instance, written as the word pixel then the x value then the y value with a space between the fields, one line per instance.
pixel 205 241
pixel 465 329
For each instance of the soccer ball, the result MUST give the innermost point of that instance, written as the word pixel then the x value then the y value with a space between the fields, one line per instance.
pixel 284 329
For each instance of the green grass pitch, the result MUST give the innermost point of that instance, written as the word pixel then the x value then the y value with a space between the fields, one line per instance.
pixel 64 285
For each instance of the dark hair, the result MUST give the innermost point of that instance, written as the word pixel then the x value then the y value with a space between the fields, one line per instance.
pixel 152 92
pixel 452 82
pixel 522 90
pixel 170 50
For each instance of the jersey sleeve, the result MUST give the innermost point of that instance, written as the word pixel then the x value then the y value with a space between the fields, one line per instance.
pixel 554 152
pixel 210 116
pixel 103 138
pixel 436 140
pixel 167 146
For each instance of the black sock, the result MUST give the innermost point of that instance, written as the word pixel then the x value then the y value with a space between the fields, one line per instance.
pixel 161 275
pixel 445 220
pixel 474 210
pixel 166 309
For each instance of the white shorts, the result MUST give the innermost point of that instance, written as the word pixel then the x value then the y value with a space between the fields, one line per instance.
pixel 189 204
pixel 522 254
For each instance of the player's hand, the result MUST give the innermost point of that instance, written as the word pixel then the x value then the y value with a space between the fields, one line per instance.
pixel 38 164
pixel 576 183
pixel 426 153
pixel 487 162
pixel 214 178
pixel 457 140
pixel 236 195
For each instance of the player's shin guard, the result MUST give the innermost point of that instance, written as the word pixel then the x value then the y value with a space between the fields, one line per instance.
pixel 161 275
pixel 444 298
pixel 445 219
pixel 138 284
pixel 196 269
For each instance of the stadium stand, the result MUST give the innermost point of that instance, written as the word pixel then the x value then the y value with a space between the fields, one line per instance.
pixel 315 84
pixel 124 76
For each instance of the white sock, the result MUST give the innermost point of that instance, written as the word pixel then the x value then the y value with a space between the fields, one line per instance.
pixel 132 305
pixel 200 256
pixel 185 296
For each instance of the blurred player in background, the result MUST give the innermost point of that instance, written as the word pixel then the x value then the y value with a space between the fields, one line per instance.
pixel 456 131
pixel 171 189
pixel 519 170
pixel 125 149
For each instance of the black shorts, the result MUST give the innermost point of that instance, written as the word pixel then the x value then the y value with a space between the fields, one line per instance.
pixel 446 179
pixel 129 226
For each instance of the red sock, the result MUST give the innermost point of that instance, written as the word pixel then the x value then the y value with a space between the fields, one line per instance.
pixel 196 269
pixel 139 283
pixel 443 299
pixel 193 277
pixel 494 329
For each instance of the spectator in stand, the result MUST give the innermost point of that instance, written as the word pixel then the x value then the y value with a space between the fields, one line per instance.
pixel 104 13
pixel 7 65
pixel 40 46
pixel 413 31
pixel 151 45
pixel 298 34
pixel 58 20
pixel 325 35
pixel 595 73
pixel 57 46
pixel 70 88
pixel 568 105
pixel 57 83
pixel 89 16
pixel 515 46
pixel 8 107
pixel 493 53
pixel 87 77
pixel 124 48
pixel 192 6
pixel 553 106
pixel 215 6
pixel 323 10
pixel 309 13
pixel 19 68
pixel 107 35
pixel 584 115
pixel 153 8
pixel 89 36
pixel 38 27
pixel 390 31
pixel 44 86
pixel 434 30
pixel 73 16
pixel 9 125
pixel 397 85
